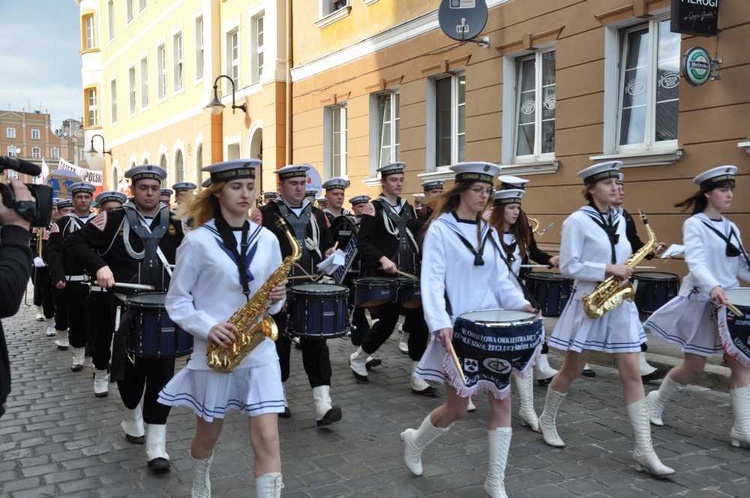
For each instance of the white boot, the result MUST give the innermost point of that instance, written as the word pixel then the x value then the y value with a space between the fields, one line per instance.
pixel 657 400
pixel 526 396
pixel 156 448
pixel 542 369
pixel 201 477
pixel 499 445
pixel 51 332
pixel 471 407
pixel 79 357
pixel 548 420
pixel 269 485
pixel 132 424
pixel 415 441
pixel 419 385
pixel 325 412
pixel 403 342
pixel 39 314
pixel 644 454
pixel 740 433
pixel 101 383
pixel 62 340
pixel 358 364
pixel 643 366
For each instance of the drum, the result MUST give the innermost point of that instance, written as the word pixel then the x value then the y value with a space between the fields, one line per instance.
pixel 152 332
pixel 490 344
pixel 318 310
pixel 654 289
pixel 550 290
pixel 409 293
pixel 735 330
pixel 370 292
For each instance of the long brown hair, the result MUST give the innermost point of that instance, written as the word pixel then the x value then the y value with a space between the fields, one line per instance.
pixel 448 202
pixel 520 229
pixel 698 202
pixel 203 206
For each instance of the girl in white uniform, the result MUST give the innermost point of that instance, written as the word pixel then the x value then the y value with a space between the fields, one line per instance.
pixel 595 246
pixel 471 279
pixel 716 259
pixel 220 265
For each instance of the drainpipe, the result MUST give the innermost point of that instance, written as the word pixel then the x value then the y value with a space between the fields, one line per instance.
pixel 288 102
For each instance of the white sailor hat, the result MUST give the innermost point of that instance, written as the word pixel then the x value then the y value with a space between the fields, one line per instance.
pixel 63 203
pixel 146 172
pixel 620 178
pixel 600 171
pixel 236 169
pixel 477 171
pixel 293 171
pixel 510 182
pixel 336 183
pixel 508 196
pixel 311 192
pixel 81 188
pixel 321 200
pixel 418 196
pixel 166 191
pixel 707 178
pixel 428 185
pixel 110 196
pixel 359 199
pixel 184 186
pixel 270 195
pixel 392 169
pixel 206 183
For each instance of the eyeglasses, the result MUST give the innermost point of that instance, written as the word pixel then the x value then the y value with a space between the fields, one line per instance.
pixel 480 190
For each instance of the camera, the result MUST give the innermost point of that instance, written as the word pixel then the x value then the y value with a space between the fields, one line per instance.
pixel 37 212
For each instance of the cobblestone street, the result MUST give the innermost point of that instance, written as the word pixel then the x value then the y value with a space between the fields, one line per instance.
pixel 57 439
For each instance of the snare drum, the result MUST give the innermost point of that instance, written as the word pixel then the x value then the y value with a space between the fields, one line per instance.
pixel 410 295
pixel 550 290
pixel 370 292
pixel 733 330
pixel 318 310
pixel 152 333
pixel 654 289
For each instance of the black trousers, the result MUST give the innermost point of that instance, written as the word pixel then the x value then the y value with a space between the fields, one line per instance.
pixel 153 375
pixel 75 301
pixel 414 323
pixel 61 310
pixel 315 356
pixel 101 317
pixel 360 326
pixel 43 295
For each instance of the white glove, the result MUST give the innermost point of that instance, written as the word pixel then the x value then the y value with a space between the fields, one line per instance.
pixel 39 262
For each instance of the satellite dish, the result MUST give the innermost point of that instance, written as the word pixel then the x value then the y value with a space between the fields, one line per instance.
pixel 462 20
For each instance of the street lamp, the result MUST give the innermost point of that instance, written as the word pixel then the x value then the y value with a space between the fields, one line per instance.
pixel 216 106
pixel 95 160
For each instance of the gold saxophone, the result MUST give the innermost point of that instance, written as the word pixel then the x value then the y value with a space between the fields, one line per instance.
pixel 39 241
pixel 611 293
pixel 252 320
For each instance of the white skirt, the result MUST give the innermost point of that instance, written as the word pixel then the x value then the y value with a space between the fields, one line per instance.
pixel 618 331
pixel 687 323
pixel 254 391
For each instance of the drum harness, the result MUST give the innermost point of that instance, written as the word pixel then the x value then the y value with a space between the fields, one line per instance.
pixel 299 228
pixel 396 225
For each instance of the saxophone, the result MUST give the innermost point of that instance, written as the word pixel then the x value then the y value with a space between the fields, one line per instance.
pixel 251 320
pixel 611 293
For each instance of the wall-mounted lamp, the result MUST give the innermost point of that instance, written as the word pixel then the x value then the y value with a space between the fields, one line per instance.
pixel 95 160
pixel 216 106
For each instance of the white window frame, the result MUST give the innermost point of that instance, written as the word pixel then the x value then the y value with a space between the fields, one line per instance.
pixel 537 155
pixel 178 62
pixel 161 70
pixel 111 19
pixel 233 63
pixel 331 114
pixel 129 16
pixel 200 60
pixel 144 82
pixel 82 155
pixel 36 153
pixel 132 94
pixel 36 134
pixel 257 48
pixel 326 7
pixel 113 100
pixel 55 153
pixel 376 129
pixel 92 106
pixel 141 5
pixel 90 27
pixel 10 132
pixel 431 160
pixel 11 149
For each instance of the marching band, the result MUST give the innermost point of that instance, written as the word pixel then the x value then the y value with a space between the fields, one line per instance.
pixel 135 287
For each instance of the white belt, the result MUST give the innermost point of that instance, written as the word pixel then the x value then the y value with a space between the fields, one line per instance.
pixel 77 278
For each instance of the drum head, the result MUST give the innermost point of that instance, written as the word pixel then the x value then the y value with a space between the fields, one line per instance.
pixel 499 317
pixel 655 275
pixel 408 282
pixel 739 296
pixel 319 289
pixel 375 281
pixel 147 300
pixel 545 276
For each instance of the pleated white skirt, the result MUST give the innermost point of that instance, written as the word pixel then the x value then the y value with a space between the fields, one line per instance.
pixel 688 323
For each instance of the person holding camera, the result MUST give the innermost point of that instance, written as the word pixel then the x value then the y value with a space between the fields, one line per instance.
pixel 15 270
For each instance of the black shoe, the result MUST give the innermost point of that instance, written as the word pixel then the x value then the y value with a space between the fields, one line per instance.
pixel 159 465
pixel 588 373
pixel 544 382
pixel 76 368
pixel 286 414
pixel 62 348
pixel 375 362
pixel 430 392
pixel 360 378
pixel 102 395
pixel 333 415
pixel 657 374
pixel 135 439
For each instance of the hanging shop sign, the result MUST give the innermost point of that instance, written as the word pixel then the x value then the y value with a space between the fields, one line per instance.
pixel 462 20
pixel 698 66
pixel 695 17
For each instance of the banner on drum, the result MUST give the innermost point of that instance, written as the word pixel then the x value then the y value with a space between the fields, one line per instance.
pixel 735 335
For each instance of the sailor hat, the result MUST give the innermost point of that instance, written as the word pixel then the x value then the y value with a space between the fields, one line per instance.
pixel 236 169
pixel 311 192
pixel 166 192
pixel 510 182
pixel 206 183
pixel 508 196
pixel 184 186
pixel 146 172
pixel 336 183
pixel 322 201
pixel 392 169
pixel 477 171
pixel 110 196
pixel 81 188
pixel 293 171
pixel 270 195
pixel 63 203
pixel 711 177
pixel 418 196
pixel 620 178
pixel 359 199
pixel 428 185
pixel 600 171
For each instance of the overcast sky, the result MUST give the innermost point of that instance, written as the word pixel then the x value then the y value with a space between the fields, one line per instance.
pixel 39 57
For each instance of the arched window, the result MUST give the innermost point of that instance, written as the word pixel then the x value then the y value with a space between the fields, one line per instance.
pixel 163 164
pixel 179 167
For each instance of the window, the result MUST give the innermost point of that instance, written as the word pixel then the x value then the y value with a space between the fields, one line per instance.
pixel 161 56
pixel 177 48
pixel 387 132
pixel 89 41
pixel 144 83
pixel 10 132
pixel 35 135
pixel 141 5
pixel 12 151
pixel 649 90
pixel 179 167
pixel 335 131
pixel 111 18
pixel 55 153
pixel 113 100
pixel 36 153
pixel 129 10
pixel 82 155
pixel 535 105
pixel 258 48
pixel 199 55
pixel 163 163
pixel 233 57
pixel 331 6
pixel 199 159
pixel 450 120
pixel 92 114
pixel 131 90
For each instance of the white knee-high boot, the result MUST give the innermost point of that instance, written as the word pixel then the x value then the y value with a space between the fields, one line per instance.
pixel 132 424
pixel 526 410
pixel 269 485
pixel 548 420
pixel 156 448
pixel 499 445
pixel 201 477
pixel 740 433
pixel 657 400
pixel 415 441
pixel 644 455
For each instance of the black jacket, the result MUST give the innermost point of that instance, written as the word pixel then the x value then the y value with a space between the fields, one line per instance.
pixel 15 269
pixel 59 265
pixel 632 233
pixel 375 241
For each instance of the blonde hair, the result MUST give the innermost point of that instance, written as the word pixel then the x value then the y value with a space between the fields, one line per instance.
pixel 203 206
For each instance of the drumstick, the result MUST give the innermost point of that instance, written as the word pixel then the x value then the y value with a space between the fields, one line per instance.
pixel 456 363
pixel 134 286
pixel 407 275
pixel 536 266
pixel 736 311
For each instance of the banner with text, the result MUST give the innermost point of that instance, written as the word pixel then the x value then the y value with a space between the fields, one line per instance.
pixel 95 178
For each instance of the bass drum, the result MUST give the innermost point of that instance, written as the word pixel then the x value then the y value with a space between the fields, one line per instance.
pixel 550 290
